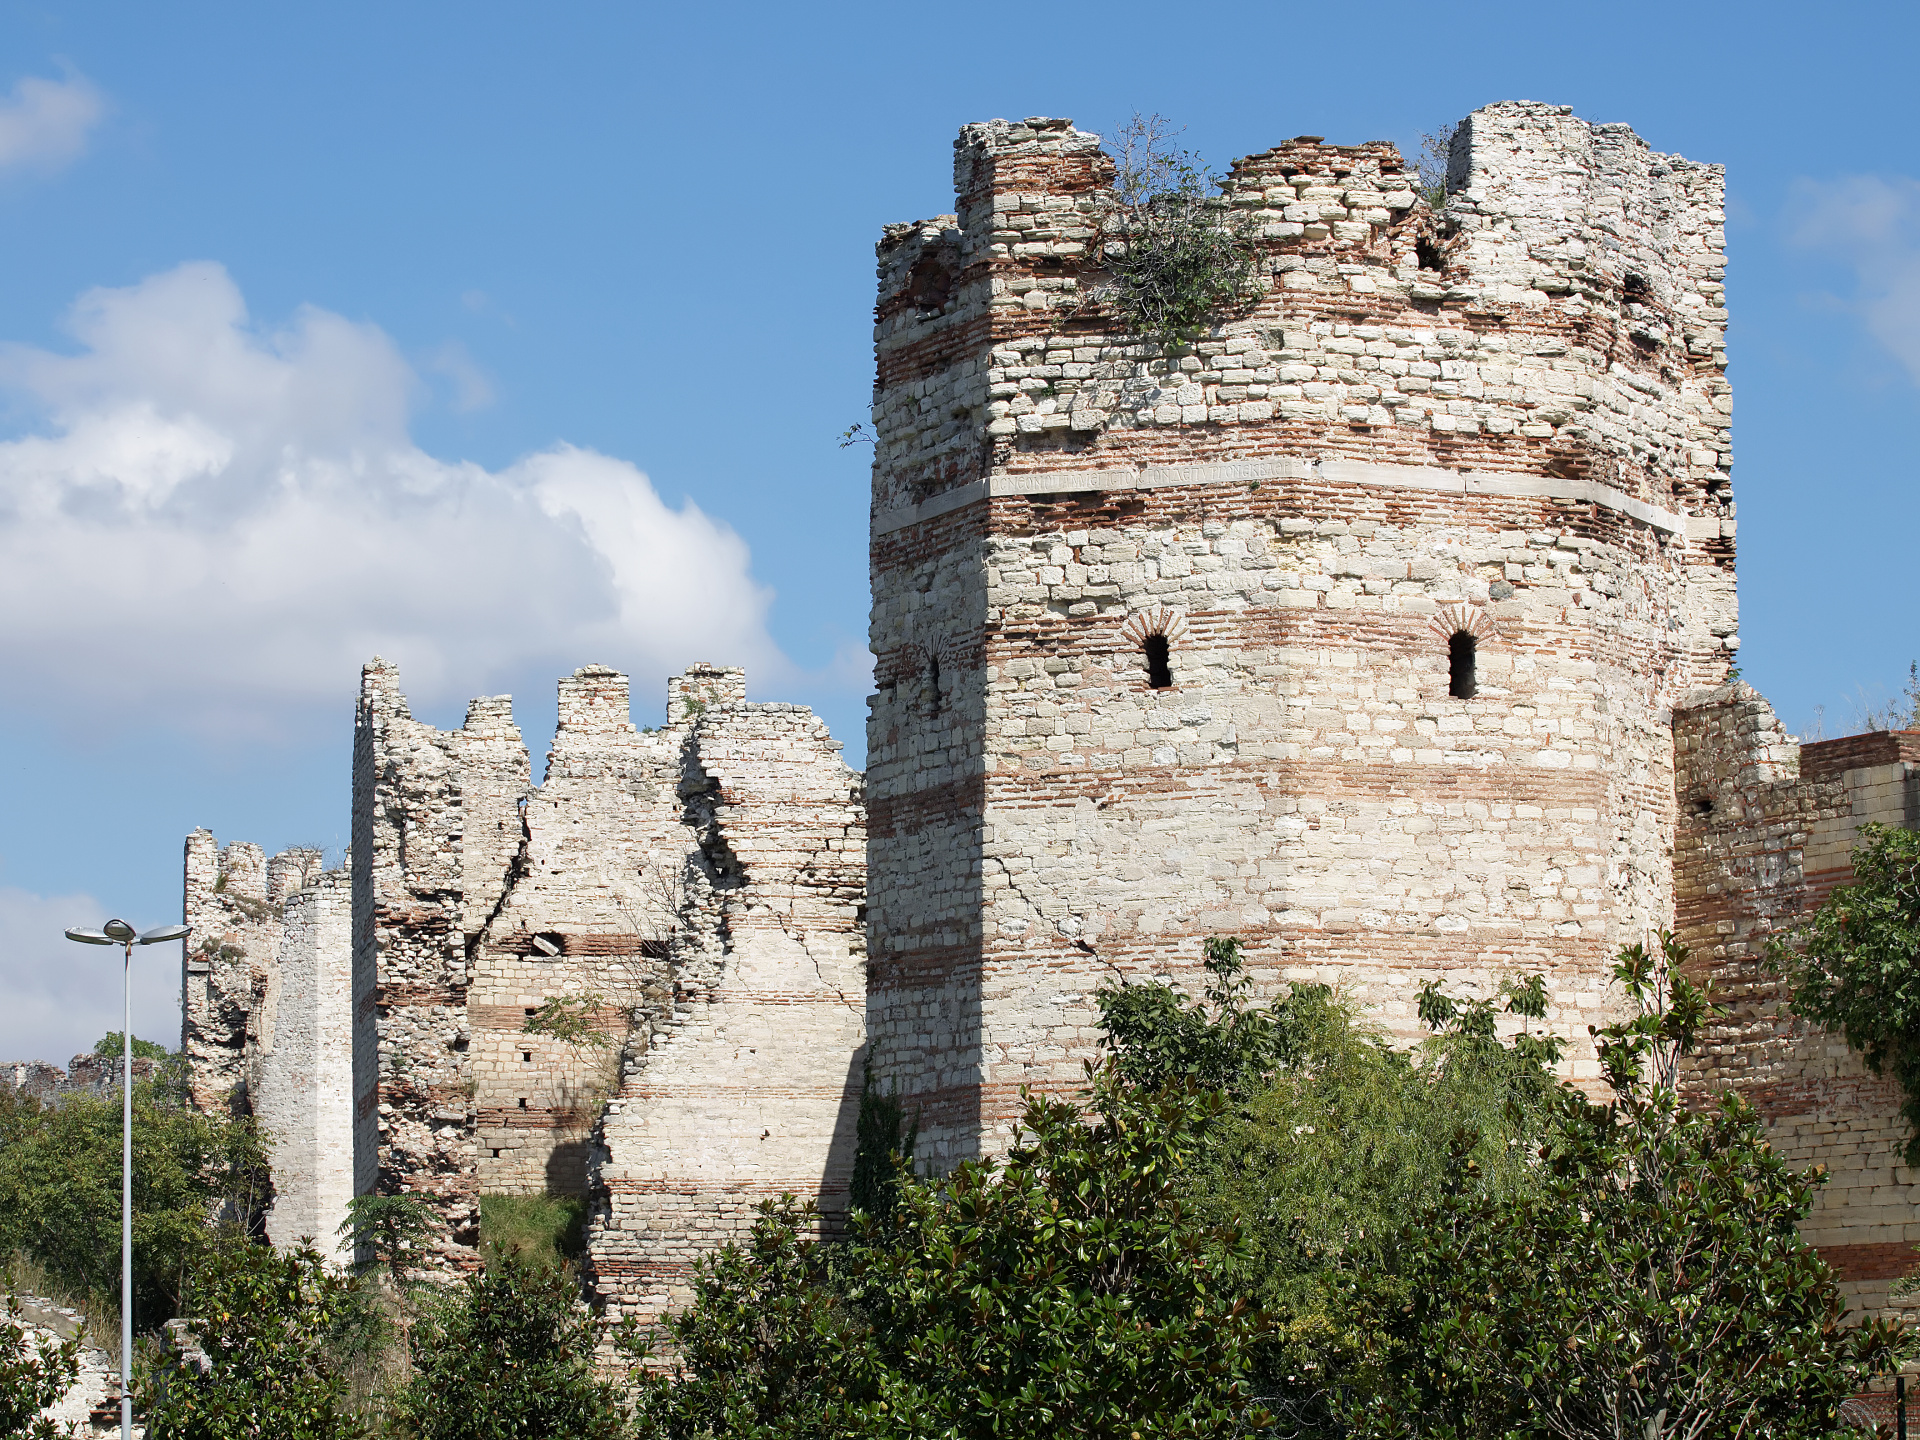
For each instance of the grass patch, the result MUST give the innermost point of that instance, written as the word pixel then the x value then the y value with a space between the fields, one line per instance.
pixel 550 1228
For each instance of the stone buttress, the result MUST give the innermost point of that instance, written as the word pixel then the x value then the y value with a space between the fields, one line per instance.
pixel 1168 645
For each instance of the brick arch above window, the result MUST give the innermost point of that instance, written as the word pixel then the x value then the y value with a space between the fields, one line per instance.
pixel 1463 617
pixel 1156 620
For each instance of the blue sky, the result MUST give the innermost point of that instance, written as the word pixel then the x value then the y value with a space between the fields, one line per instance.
pixel 519 337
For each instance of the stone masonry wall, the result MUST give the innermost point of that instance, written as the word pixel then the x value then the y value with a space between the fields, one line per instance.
pixel 594 887
pixel 585 911
pixel 1505 421
pixel 409 822
pixel 234 899
pixel 1765 828
pixel 270 1000
pixel 747 1087
pixel 304 1094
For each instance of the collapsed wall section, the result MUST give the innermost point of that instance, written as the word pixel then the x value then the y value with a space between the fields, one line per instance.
pixel 1764 834
pixel 585 913
pixel 748 1087
pixel 1167 640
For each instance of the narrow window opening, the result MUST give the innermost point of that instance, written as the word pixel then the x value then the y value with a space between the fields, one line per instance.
pixel 531 1013
pixel 526 1057
pixel 523 1102
pixel 496 1154
pixel 933 684
pixel 1159 671
pixel 1461 682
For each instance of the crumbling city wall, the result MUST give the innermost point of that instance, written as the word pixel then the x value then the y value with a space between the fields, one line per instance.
pixel 487 899
pixel 270 1005
pixel 747 1086
pixel 1501 424
pixel 1765 829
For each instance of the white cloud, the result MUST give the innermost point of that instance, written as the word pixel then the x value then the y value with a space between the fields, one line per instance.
pixel 44 124
pixel 61 997
pixel 218 523
pixel 1871 223
pixel 472 390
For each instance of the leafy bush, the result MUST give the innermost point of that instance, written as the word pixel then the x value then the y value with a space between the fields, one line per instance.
pixel 1858 967
pixel 273 1329
pixel 1653 1281
pixel 1177 254
pixel 60 1191
pixel 1064 1289
pixel 507 1354
pixel 34 1373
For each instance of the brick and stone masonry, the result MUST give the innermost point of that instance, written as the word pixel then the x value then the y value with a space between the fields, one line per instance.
pixel 1765 827
pixel 1390 628
pixel 1501 426
pixel 699 886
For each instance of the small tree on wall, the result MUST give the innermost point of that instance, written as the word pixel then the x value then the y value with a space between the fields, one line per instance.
pixel 1857 969
pixel 1176 254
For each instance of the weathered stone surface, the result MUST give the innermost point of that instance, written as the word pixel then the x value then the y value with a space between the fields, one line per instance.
pixel 1525 391
pixel 748 1084
pixel 1765 827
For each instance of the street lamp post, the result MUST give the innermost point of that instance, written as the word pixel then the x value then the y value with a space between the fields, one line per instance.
pixel 119 932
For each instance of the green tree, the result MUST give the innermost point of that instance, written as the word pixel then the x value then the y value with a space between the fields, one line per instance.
pixel 389 1232
pixel 60 1190
pixel 1065 1289
pixel 1653 1283
pixel 1158 1035
pixel 1856 969
pixel 270 1328
pixel 35 1371
pixel 508 1354
pixel 884 1138
pixel 111 1044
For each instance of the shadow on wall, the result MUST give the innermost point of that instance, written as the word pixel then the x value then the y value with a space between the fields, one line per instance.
pixel 836 1179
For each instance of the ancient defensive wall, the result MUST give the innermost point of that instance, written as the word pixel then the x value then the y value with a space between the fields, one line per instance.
pixel 1166 640
pixel 693 892
pixel 1764 833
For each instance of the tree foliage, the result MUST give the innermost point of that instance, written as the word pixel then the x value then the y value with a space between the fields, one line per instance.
pixel 273 1329
pixel 884 1136
pixel 1065 1289
pixel 508 1354
pixel 60 1190
pixel 1857 966
pixel 35 1372
pixel 1177 254
pixel 1651 1283
pixel 389 1232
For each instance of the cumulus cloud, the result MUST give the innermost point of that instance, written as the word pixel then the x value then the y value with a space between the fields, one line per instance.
pixel 62 997
pixel 1870 222
pixel 45 124
pixel 224 520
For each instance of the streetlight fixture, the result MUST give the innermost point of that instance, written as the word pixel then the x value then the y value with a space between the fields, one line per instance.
pixel 119 932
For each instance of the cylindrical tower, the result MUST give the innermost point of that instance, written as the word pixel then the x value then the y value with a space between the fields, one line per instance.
pixel 1352 630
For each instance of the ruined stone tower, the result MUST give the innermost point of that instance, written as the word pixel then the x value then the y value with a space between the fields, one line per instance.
pixel 1355 631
